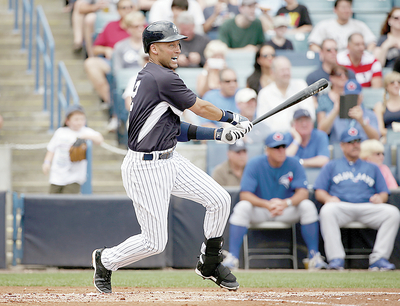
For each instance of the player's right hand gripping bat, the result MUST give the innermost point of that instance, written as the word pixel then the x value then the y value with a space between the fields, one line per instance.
pixel 300 96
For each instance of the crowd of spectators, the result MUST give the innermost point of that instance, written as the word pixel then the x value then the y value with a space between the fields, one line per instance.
pixel 352 59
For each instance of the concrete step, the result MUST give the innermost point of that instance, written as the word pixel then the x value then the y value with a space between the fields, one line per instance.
pixel 22 108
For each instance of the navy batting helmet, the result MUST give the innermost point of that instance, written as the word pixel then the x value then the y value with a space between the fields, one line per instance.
pixel 160 31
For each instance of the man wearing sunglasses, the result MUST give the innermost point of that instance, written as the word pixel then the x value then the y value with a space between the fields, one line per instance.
pixel 352 189
pixel 274 188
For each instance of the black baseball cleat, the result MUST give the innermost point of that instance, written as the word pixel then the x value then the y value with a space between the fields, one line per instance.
pixel 222 276
pixel 102 276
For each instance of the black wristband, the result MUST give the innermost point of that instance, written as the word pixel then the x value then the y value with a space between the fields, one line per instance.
pixel 192 132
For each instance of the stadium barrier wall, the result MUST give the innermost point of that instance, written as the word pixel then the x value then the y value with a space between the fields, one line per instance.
pixel 63 230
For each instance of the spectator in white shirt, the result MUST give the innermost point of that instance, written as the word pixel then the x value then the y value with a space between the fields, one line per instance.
pixel 340 28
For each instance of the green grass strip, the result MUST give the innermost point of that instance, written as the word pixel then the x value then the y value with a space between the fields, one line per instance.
pixel 187 278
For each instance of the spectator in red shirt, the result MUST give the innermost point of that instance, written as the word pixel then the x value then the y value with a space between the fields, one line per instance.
pixel 98 66
pixel 367 68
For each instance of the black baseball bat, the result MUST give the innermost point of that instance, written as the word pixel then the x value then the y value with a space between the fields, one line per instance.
pixel 300 96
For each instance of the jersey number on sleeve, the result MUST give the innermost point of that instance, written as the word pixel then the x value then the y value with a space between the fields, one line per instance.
pixel 135 89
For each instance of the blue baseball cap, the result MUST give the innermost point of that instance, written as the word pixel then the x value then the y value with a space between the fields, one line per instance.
pixel 352 87
pixel 301 113
pixel 350 134
pixel 276 139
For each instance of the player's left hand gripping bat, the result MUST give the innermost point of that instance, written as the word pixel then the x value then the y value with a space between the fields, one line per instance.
pixel 300 96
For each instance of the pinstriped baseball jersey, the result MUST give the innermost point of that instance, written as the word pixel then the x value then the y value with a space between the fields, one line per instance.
pixel 159 98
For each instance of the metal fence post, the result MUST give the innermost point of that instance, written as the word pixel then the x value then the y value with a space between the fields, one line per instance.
pixel 86 188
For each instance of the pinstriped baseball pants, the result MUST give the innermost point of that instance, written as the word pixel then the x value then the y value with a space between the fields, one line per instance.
pixel 149 184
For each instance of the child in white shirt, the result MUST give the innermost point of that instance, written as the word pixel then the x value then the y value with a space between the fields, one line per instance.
pixel 67 176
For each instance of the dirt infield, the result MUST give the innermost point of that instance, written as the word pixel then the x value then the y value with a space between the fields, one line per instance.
pixel 200 297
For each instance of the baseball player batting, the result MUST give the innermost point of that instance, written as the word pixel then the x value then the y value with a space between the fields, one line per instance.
pixel 152 170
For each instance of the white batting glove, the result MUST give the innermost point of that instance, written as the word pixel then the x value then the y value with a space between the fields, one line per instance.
pixel 245 125
pixel 239 121
pixel 229 134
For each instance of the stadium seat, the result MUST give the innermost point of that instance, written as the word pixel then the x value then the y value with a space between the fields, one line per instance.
pixel 392 137
pixel 304 58
pixel 318 6
pixel 301 72
pixel 312 174
pixel 386 70
pixel 371 96
pixel 373 21
pixel 372 6
pixel 102 19
pixel 355 253
pixel 299 41
pixel 317 17
pixel 189 76
pixel 271 252
pixel 242 63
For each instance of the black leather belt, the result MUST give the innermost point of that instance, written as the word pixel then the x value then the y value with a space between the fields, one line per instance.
pixel 152 156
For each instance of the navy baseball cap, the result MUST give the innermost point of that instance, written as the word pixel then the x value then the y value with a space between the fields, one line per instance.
pixel 350 135
pixel 238 146
pixel 301 113
pixel 276 139
pixel 352 87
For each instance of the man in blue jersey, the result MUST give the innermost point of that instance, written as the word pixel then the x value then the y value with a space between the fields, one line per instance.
pixel 309 145
pixel 152 170
pixel 354 190
pixel 274 188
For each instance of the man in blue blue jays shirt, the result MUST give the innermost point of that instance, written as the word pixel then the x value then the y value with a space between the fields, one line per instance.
pixel 354 190
pixel 274 188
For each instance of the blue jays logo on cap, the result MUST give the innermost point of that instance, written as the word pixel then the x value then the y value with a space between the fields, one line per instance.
pixel 352 87
pixel 277 136
pixel 276 139
pixel 350 134
pixel 352 131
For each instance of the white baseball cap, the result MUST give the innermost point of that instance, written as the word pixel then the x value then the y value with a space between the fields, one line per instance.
pixel 280 21
pixel 245 95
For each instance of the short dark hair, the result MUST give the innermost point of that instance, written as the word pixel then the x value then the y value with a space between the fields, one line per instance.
pixel 182 4
pixel 337 1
